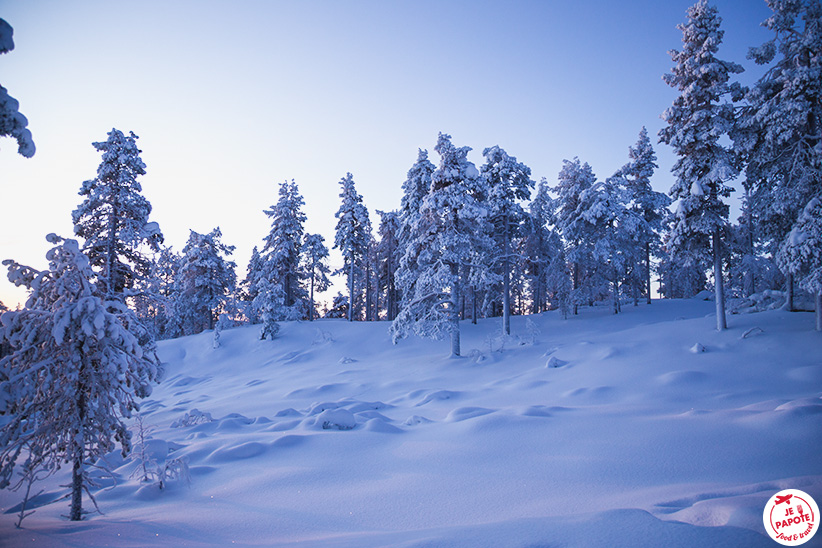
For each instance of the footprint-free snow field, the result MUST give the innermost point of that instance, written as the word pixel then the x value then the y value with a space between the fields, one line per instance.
pixel 598 430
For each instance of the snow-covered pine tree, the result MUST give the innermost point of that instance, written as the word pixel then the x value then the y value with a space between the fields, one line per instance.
pixel 450 226
pixel 801 253
pixel 574 179
pixel 339 307
pixel 699 116
pixel 415 188
pixel 650 207
pixel 680 277
pixel 370 282
pixel 388 258
pixel 315 268
pixel 535 247
pixel 544 255
pixel 269 305
pixel 352 237
pixel 604 221
pixel 113 217
pixel 281 253
pixel 205 282
pixel 166 267
pixel 248 287
pixel 507 182
pixel 77 367
pixel 12 122
pixel 779 132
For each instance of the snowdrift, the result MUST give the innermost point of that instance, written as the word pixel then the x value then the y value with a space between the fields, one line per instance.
pixel 599 430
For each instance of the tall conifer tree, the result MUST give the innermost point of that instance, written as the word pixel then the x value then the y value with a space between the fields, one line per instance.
pixel 696 121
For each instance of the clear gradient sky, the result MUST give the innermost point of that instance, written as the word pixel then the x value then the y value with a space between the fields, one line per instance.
pixel 231 98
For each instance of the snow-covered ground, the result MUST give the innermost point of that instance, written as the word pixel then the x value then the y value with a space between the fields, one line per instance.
pixel 599 430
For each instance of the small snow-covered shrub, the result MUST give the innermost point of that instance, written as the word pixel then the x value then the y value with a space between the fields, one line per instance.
pixel 151 455
pixel 192 418
pixel 336 419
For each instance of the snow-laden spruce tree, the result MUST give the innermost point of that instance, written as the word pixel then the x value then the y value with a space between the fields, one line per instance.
pixel 113 217
pixel 608 230
pixel 164 293
pixel 801 253
pixel 451 225
pixel 415 188
pixel 574 179
pixel 280 256
pixel 780 130
pixel 387 253
pixel 315 268
pixel 205 282
pixel 544 255
pixel 339 307
pixel 12 122
pixel 507 183
pixel 695 122
pixel 650 207
pixel 248 287
pixel 269 305
pixel 679 278
pixel 77 367
pixel 352 237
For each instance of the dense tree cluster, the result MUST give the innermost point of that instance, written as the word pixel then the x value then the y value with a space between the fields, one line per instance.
pixel 464 243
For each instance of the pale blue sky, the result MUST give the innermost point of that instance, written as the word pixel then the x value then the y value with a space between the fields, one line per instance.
pixel 231 98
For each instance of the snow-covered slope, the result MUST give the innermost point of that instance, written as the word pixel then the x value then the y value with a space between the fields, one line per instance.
pixel 599 430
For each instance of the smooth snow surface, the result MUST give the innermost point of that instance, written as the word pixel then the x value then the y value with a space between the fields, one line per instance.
pixel 598 431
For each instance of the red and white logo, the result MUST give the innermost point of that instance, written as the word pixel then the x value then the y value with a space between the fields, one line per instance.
pixel 791 517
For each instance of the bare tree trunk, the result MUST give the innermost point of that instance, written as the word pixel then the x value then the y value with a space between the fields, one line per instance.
pixel 719 287
pixel 311 306
pixel 819 311
pixel 455 318
pixel 76 513
pixel 789 291
pixel 576 286
pixel 506 290
pixel 474 305
pixel 367 290
pixel 648 270
pixel 351 291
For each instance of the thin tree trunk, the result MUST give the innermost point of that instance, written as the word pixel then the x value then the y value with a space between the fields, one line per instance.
pixel 750 281
pixel 474 305
pixel 111 251
pixel 719 287
pixel 455 319
pixel 576 287
pixel 351 291
pixel 369 297
pixel 506 294
pixel 311 307
pixel 789 291
pixel 819 311
pixel 76 513
pixel 648 270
